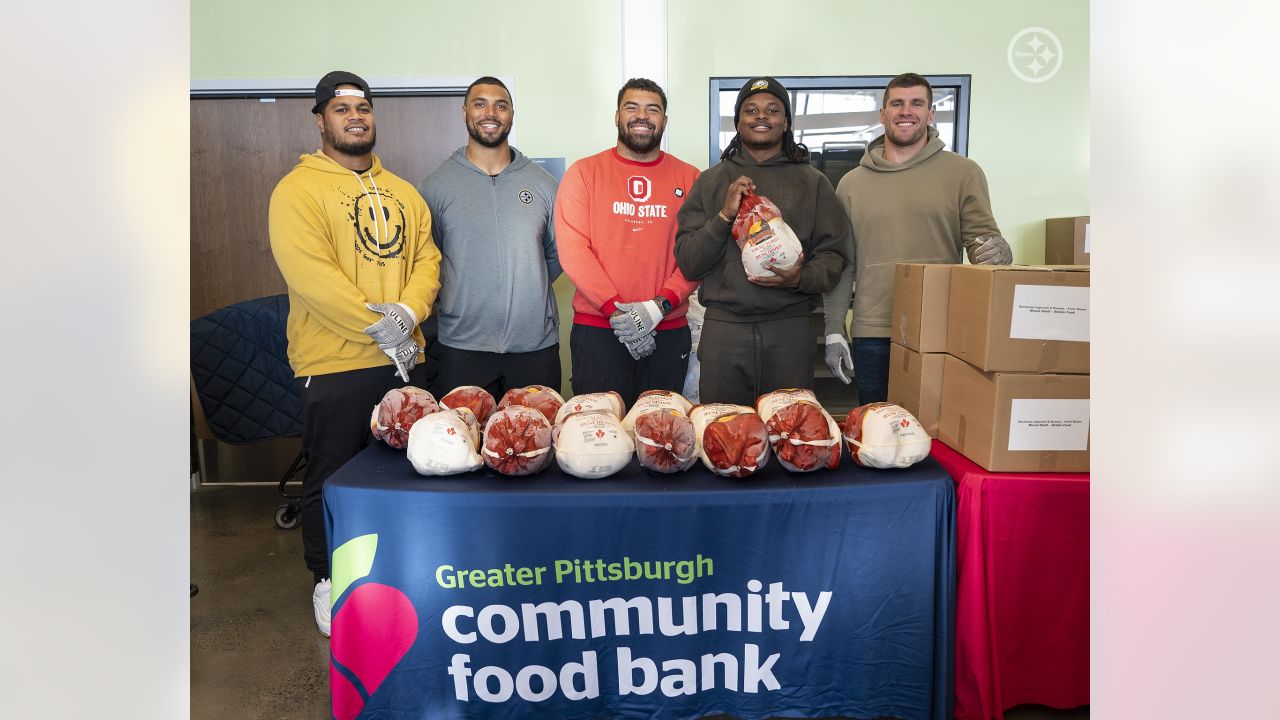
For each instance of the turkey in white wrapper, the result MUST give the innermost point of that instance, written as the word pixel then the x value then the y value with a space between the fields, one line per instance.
pixel 731 439
pixel 883 435
pixel 444 443
pixel 473 397
pixel 592 444
pixel 764 238
pixel 651 400
pixel 396 413
pixel 802 434
pixel 539 397
pixel 517 441
pixel 609 400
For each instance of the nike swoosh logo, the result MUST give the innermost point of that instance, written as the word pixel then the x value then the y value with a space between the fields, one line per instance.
pixel 684 356
pixel 636 229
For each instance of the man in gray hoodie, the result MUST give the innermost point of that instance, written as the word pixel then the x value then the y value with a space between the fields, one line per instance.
pixel 492 219
pixel 909 200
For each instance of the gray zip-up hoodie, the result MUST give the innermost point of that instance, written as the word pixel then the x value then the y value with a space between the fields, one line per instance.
pixel 499 254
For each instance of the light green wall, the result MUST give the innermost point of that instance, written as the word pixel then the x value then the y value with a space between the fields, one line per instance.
pixel 1031 139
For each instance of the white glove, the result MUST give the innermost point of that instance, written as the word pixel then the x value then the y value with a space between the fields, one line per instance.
pixel 637 320
pixel 989 250
pixel 839 357
pixel 395 325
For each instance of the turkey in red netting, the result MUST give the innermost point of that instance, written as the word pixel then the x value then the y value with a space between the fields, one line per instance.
pixel 651 400
pixel 764 238
pixel 517 441
pixel 538 397
pixel 472 397
pixel 803 436
pixel 665 441
pixel 396 413
pixel 731 439
pixel 882 435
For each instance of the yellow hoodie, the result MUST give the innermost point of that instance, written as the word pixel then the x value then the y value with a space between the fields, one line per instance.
pixel 342 240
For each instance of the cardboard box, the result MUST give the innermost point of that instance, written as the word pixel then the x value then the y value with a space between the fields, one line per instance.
pixel 915 383
pixel 1020 318
pixel 919 316
pixel 1066 241
pixel 1015 422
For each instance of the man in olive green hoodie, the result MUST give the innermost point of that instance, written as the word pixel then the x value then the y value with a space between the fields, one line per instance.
pixel 909 200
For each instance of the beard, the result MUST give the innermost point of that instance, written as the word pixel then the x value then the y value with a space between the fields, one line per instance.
pixel 476 134
pixel 920 131
pixel 640 145
pixel 352 147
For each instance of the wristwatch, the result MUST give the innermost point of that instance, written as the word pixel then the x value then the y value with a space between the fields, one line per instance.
pixel 663 304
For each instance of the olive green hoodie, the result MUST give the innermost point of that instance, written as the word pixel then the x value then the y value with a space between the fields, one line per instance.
pixel 919 211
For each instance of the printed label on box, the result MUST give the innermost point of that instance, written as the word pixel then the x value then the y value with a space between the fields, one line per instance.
pixel 1049 312
pixel 1049 425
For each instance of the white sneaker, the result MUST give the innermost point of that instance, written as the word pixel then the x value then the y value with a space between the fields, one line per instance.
pixel 320 601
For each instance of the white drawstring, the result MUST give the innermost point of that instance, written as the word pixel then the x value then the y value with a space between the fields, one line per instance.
pixel 377 238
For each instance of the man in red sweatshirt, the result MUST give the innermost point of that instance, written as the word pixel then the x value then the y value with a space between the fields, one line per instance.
pixel 615 223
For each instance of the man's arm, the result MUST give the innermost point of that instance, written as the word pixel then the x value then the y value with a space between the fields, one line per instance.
pixel 979 235
pixel 832 242
pixel 574 244
pixel 549 252
pixel 702 232
pixel 423 283
pixel 305 255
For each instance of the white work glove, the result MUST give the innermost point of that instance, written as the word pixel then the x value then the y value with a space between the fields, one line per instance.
pixel 989 250
pixel 405 356
pixel 637 320
pixel 839 358
pixel 640 347
pixel 394 327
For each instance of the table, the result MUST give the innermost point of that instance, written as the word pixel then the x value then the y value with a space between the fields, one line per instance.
pixel 481 596
pixel 1022 597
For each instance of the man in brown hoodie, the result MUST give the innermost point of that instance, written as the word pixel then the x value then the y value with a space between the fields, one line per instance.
pixel 909 200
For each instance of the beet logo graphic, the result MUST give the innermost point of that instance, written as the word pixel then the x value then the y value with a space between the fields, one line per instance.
pixel 451 431
pixel 372 629
pixel 905 423
pixel 599 433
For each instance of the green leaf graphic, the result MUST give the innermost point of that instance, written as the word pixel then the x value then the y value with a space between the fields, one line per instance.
pixel 351 561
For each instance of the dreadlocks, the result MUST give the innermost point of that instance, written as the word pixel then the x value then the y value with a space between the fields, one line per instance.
pixel 796 152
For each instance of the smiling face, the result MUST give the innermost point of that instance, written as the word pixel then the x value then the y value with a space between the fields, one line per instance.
pixel 488 114
pixel 347 125
pixel 906 116
pixel 762 121
pixel 641 119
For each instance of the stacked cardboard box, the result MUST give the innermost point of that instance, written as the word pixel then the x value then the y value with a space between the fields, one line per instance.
pixel 1009 388
pixel 1066 241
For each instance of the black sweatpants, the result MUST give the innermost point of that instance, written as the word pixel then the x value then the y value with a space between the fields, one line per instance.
pixel 601 363
pixel 335 426
pixel 743 360
pixel 496 372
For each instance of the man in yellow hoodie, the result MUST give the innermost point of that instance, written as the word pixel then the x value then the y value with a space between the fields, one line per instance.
pixel 353 242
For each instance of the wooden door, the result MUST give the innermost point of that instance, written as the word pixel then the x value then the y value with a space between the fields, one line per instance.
pixel 241 147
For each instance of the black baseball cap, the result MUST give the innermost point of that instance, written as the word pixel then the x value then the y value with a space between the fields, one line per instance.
pixel 759 85
pixel 327 88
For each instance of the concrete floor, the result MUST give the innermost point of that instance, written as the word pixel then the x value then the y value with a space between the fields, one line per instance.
pixel 255 651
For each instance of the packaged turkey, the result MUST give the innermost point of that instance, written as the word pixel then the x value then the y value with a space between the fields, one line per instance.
pixel 609 400
pixel 517 441
pixel 883 435
pixel 445 443
pixel 592 444
pixel 803 436
pixel 665 441
pixel 538 397
pixel 473 397
pixel 396 413
pixel 732 440
pixel 651 400
pixel 764 237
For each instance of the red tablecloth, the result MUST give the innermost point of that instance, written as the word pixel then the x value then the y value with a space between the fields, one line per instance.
pixel 1022 596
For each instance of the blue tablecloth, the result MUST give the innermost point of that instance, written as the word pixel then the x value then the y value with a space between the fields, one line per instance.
pixel 822 594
